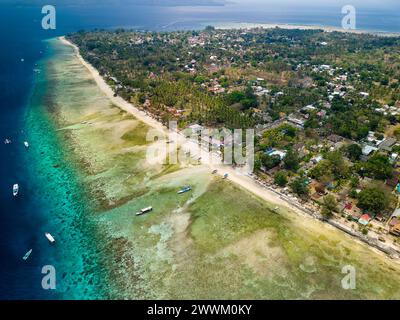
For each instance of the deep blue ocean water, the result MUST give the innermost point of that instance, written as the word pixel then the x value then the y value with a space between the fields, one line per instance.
pixel 23 219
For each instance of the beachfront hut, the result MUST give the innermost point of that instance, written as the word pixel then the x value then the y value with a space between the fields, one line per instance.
pixel 364 219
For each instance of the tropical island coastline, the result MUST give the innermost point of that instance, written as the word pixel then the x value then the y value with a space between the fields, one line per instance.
pixel 217 240
pixel 249 182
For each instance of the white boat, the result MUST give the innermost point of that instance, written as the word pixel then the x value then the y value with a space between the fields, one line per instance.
pixel 145 210
pixel 26 144
pixel 15 189
pixel 26 256
pixel 50 237
pixel 7 141
pixel 184 190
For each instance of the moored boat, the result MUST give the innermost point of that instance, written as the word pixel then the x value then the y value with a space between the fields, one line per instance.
pixel 145 210
pixel 184 190
pixel 26 144
pixel 26 256
pixel 15 189
pixel 50 237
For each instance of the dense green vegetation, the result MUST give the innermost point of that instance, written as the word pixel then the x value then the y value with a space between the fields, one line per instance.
pixel 210 75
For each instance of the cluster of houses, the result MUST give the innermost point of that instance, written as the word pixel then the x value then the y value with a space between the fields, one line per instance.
pixel 389 110
pixel 213 139
pixel 215 87
pixel 259 87
pixel 373 143
pixel 191 66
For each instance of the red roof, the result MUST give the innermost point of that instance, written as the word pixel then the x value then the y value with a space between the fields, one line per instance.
pixel 348 206
pixel 365 217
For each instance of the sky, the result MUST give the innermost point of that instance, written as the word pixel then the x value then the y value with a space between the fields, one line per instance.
pixel 323 3
pixel 273 3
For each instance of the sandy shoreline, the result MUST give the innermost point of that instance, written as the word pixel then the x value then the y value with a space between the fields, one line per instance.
pixel 207 158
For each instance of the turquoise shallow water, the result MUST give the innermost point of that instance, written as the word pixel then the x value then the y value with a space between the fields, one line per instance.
pixel 57 189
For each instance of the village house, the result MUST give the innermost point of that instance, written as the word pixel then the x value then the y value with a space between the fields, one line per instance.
pixel 364 219
pixel 194 129
pixel 367 150
pixel 387 144
pixel 299 122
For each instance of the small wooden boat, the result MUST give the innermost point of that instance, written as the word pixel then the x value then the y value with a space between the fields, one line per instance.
pixel 26 256
pixel 145 210
pixel 184 190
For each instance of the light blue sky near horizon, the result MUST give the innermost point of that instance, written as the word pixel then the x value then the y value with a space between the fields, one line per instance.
pixel 295 3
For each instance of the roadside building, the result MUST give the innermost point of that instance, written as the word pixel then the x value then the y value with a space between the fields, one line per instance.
pixel 364 219
pixel 296 120
pixel 387 144
pixel 367 150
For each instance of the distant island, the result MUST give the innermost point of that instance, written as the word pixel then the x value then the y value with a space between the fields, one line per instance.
pixel 161 3
pixel 325 107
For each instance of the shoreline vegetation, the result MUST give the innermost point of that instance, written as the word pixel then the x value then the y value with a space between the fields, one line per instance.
pixel 217 241
pixel 259 189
